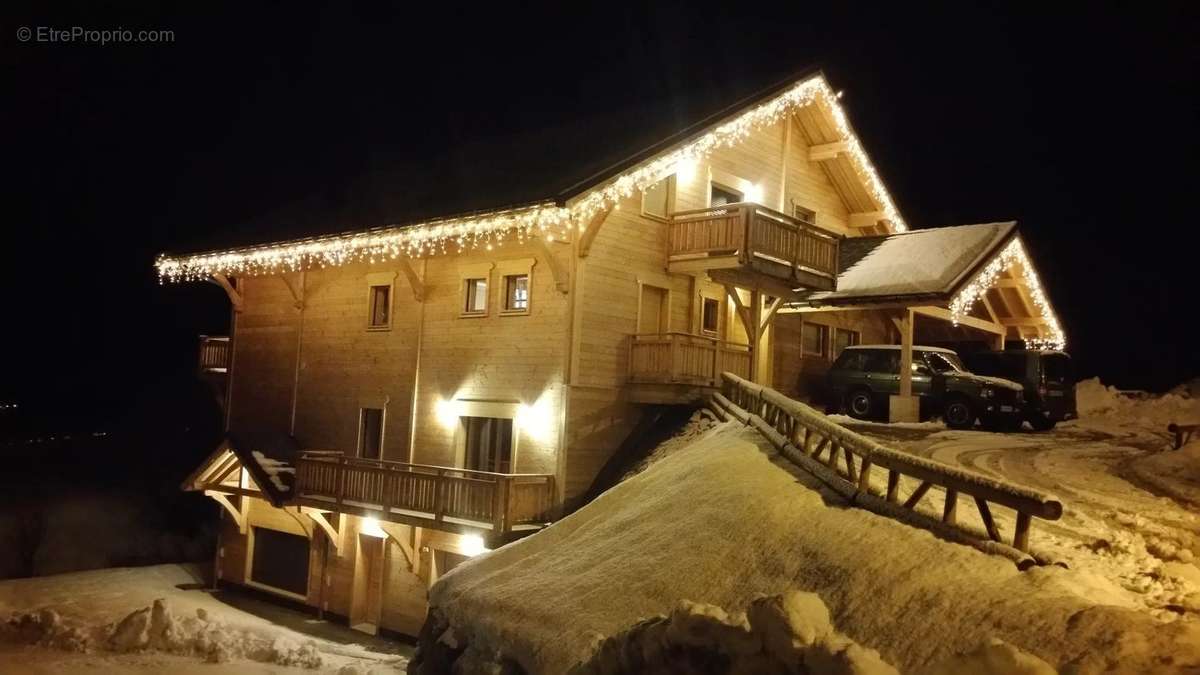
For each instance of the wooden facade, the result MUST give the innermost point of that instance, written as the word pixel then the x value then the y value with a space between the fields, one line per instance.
pixel 638 305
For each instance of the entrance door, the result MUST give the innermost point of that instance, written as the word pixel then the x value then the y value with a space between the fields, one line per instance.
pixel 653 313
pixel 366 601
pixel 488 444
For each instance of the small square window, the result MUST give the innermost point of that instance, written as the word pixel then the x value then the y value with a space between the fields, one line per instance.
pixel 516 293
pixel 804 215
pixel 719 195
pixel 370 433
pixel 476 296
pixel 813 338
pixel 709 315
pixel 381 307
pixel 656 199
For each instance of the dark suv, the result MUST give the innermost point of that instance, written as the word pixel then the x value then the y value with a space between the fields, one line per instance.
pixel 1046 375
pixel 864 376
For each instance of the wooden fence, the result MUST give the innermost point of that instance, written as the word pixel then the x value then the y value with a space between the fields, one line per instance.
pixel 753 230
pixel 685 358
pixel 804 435
pixel 498 501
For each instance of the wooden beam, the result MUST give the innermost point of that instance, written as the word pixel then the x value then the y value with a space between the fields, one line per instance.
pixel 414 280
pixel 970 321
pixel 770 314
pixel 743 312
pixel 1007 283
pixel 561 282
pixel 827 151
pixel 297 294
pixel 865 219
pixel 336 531
pixel 906 350
pixel 987 307
pixel 239 516
pixel 234 296
pixel 402 538
pixel 1024 321
pixel 590 232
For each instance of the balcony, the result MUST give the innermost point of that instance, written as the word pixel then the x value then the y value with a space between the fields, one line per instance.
pixel 498 505
pixel 215 353
pixel 751 246
pixel 681 367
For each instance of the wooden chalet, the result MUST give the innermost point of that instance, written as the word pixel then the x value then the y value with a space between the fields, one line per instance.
pixel 403 397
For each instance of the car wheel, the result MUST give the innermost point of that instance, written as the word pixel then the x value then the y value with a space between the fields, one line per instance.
pixel 1041 423
pixel 859 404
pixel 958 414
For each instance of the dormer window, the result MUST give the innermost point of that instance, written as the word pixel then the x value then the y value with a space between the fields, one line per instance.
pixel 719 195
pixel 804 215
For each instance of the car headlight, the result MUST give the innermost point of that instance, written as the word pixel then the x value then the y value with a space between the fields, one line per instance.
pixel 987 392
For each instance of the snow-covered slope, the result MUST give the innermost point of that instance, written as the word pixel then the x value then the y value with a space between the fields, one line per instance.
pixel 721 521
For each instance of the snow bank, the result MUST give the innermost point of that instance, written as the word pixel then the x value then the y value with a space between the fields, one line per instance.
pixel 1094 399
pixel 780 634
pixel 1175 473
pixel 156 628
pixel 719 522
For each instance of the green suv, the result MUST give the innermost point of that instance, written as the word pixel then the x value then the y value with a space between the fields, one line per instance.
pixel 863 377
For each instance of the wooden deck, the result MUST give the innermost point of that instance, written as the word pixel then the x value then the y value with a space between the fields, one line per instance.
pixel 444 498
pixel 681 367
pixel 754 247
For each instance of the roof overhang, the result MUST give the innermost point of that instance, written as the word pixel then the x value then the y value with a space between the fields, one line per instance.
pixel 570 210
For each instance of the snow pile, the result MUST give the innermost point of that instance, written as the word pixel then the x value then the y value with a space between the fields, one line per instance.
pixel 723 522
pixel 1094 399
pixel 156 628
pixel 780 634
pixel 699 425
pixel 1175 473
pixel 274 468
pixel 996 657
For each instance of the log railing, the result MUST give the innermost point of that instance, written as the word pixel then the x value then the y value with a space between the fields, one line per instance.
pixel 1183 433
pixel 803 435
pixel 496 501
pixel 752 230
pixel 683 358
pixel 214 354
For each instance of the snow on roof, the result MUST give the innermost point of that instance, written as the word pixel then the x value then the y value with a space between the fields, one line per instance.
pixel 919 262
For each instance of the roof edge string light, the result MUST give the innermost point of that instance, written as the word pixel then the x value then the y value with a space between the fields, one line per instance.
pixel 1012 254
pixel 493 228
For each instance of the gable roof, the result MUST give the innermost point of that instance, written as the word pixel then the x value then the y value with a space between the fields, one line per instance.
pixel 268 458
pixel 921 264
pixel 562 209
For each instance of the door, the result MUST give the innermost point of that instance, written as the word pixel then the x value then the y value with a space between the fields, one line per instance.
pixel 883 371
pixel 488 444
pixel 366 601
pixel 653 310
pixel 280 561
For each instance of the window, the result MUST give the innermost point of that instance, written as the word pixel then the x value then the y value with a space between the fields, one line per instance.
pixel 381 307
pixel 489 444
pixel 804 214
pixel 854 359
pixel 883 361
pixel 719 195
pixel 844 338
pixel 709 314
pixel 813 338
pixel 516 293
pixel 476 293
pixel 370 433
pixel 656 199
pixel 279 560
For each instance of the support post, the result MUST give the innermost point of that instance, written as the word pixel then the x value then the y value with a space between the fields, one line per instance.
pixel 905 407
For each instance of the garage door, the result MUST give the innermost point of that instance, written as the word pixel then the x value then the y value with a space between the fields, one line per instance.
pixel 280 561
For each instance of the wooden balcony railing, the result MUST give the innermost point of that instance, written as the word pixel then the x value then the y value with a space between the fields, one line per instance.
pixel 667 358
pixel 214 354
pixel 436 495
pixel 753 233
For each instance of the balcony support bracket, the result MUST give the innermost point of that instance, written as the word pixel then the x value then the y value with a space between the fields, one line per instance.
pixel 239 516
pixel 556 268
pixel 297 292
pixel 336 530
pixel 589 234
pixel 414 281
pixel 234 296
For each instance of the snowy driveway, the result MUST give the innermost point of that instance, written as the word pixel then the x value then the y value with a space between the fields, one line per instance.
pixel 1118 524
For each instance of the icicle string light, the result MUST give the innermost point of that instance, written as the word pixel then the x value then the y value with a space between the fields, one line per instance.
pixel 546 219
pixel 1012 254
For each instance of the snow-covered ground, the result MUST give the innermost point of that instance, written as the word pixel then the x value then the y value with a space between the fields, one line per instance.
pixel 1132 505
pixel 722 520
pixel 108 621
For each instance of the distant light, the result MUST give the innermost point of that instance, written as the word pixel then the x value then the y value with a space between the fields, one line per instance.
pixel 472 545
pixel 839 94
pixel 447 413
pixel 685 169
pixel 754 193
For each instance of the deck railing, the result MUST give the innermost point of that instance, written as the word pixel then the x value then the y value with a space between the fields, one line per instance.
pixel 499 502
pixel 754 231
pixel 214 354
pixel 803 435
pixel 684 358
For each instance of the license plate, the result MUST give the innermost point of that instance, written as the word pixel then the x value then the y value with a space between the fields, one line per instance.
pixel 1006 408
pixel 1054 393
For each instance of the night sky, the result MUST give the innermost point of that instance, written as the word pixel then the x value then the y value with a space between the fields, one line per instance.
pixel 1079 122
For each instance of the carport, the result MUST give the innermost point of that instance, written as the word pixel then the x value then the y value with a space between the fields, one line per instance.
pixel 965 282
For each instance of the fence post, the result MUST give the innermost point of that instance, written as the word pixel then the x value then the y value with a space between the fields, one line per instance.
pixel 499 504
pixel 673 355
pixel 439 496
pixel 715 376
